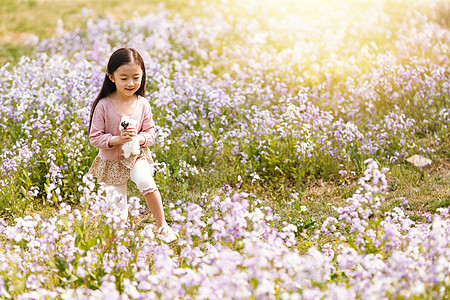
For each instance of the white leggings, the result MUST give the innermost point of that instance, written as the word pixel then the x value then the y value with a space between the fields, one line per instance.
pixel 141 174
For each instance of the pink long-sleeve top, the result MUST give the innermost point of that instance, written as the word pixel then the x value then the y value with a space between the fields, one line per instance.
pixel 105 124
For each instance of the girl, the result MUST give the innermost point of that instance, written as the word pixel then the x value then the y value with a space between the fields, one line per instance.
pixel 122 94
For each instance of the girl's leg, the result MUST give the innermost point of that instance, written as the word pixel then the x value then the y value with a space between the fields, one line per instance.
pixel 141 174
pixel 117 196
pixel 154 203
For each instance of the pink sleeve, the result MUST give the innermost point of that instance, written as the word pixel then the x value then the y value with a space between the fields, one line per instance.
pixel 148 127
pixel 97 135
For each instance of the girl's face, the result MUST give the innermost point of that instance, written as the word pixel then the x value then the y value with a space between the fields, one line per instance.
pixel 128 78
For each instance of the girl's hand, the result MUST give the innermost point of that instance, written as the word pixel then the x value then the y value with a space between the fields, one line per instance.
pixel 131 130
pixel 125 136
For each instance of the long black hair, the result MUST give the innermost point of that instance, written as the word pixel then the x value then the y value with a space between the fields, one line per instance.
pixel 118 58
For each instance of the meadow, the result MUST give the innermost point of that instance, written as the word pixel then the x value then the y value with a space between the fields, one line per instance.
pixel 283 133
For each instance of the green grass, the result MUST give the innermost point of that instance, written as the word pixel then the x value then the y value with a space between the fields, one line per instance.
pixel 425 189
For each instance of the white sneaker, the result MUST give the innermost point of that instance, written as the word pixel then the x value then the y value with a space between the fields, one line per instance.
pixel 166 234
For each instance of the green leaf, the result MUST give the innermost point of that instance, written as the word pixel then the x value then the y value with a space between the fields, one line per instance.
pixel 79 230
pixel 107 232
pixel 297 207
pixel 351 243
pixel 23 190
pixel 239 245
pixel 254 282
pixel 210 232
pixel 61 264
pixel 91 243
pixel 78 241
pixel 310 223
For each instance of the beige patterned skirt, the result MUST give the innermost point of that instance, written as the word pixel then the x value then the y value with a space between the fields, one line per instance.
pixel 117 171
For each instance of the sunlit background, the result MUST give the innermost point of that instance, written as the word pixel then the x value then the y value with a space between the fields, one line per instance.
pixel 285 132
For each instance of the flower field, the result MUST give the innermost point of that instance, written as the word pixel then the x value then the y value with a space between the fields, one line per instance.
pixel 254 102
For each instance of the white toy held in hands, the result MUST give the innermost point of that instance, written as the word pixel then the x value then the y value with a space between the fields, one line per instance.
pixel 131 147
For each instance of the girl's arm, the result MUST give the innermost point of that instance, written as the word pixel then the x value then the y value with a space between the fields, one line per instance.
pixel 99 138
pixel 125 136
pixel 97 135
pixel 147 134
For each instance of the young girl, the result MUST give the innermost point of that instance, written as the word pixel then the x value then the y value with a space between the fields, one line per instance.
pixel 122 94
